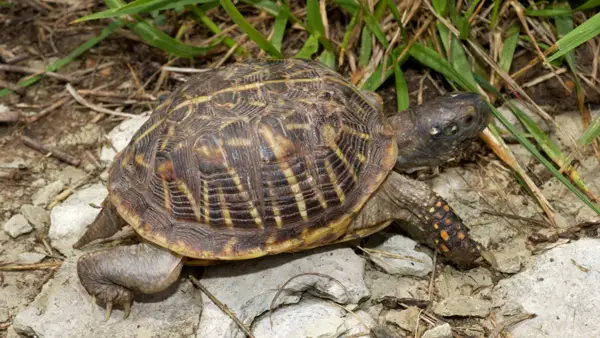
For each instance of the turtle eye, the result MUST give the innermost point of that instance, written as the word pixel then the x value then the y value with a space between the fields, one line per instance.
pixel 435 131
pixel 452 129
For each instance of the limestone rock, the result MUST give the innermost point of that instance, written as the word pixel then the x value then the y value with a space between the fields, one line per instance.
pixel 17 226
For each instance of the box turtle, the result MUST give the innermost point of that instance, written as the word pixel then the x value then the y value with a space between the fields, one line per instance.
pixel 265 157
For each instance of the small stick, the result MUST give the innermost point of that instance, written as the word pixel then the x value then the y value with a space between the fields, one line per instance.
pixel 222 306
pixel 25 267
pixel 47 110
pixel 183 70
pixel 92 106
pixel 36 145
pixel 102 93
pixel 33 71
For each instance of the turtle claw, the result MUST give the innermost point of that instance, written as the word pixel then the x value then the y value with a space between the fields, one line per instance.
pixel 126 309
pixel 108 310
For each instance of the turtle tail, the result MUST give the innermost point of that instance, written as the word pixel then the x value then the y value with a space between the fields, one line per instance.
pixel 107 223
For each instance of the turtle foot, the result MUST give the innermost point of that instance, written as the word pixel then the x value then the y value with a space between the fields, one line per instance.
pixel 101 288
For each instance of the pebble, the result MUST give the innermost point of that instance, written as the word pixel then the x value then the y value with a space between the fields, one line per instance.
pixel 396 255
pixel 30 258
pixel 405 319
pixel 46 194
pixel 441 331
pixel 462 306
pixel 17 226
pixel 37 216
pixel 71 176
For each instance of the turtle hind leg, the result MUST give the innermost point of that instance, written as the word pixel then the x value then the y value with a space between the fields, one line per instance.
pixel 113 275
pixel 107 223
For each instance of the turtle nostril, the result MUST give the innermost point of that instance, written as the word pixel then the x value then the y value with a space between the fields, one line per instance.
pixel 469 119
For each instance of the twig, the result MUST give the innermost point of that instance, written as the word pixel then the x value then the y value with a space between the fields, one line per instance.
pixel 517 217
pixel 92 106
pixel 183 70
pixel 25 267
pixel 47 110
pixel 33 71
pixel 36 145
pixel 222 306
pixel 102 93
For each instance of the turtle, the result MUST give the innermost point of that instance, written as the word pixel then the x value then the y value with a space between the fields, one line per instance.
pixel 264 157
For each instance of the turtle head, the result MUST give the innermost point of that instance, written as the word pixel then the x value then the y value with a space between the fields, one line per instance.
pixel 439 130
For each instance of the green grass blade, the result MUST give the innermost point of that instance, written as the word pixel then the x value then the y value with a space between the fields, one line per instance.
pixel 374 27
pixel 589 5
pixel 279 28
pixel 274 9
pixel 433 60
pixel 550 148
pixel 591 132
pixel 402 99
pixel 201 15
pixel 157 38
pixel 577 36
pixel 313 16
pixel 529 146
pixel 328 59
pixel 348 33
pixel 460 62
pixel 509 47
pixel 494 16
pixel 140 6
pixel 247 28
pixel 311 46
pixel 366 47
pixel 108 30
pixel 548 12
pixel 377 79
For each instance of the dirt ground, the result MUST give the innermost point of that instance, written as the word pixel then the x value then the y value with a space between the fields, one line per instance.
pixel 122 74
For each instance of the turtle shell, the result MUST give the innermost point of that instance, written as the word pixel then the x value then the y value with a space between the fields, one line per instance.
pixel 251 159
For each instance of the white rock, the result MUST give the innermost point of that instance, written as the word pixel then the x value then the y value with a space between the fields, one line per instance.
pixel 69 219
pixel 311 318
pixel 30 258
pixel 405 319
pixel 17 226
pixel 561 287
pixel 396 255
pixel 4 314
pixel 383 285
pixel 120 137
pixel 40 182
pixel 441 331
pixel 64 309
pixel 88 135
pixel 71 176
pixel 45 195
pixel 463 306
pixel 452 282
pixel 248 287
pixel 37 216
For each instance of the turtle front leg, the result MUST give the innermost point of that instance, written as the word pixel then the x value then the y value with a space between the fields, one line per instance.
pixel 427 218
pixel 114 275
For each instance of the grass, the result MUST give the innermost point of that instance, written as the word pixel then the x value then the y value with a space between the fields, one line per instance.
pixel 373 40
